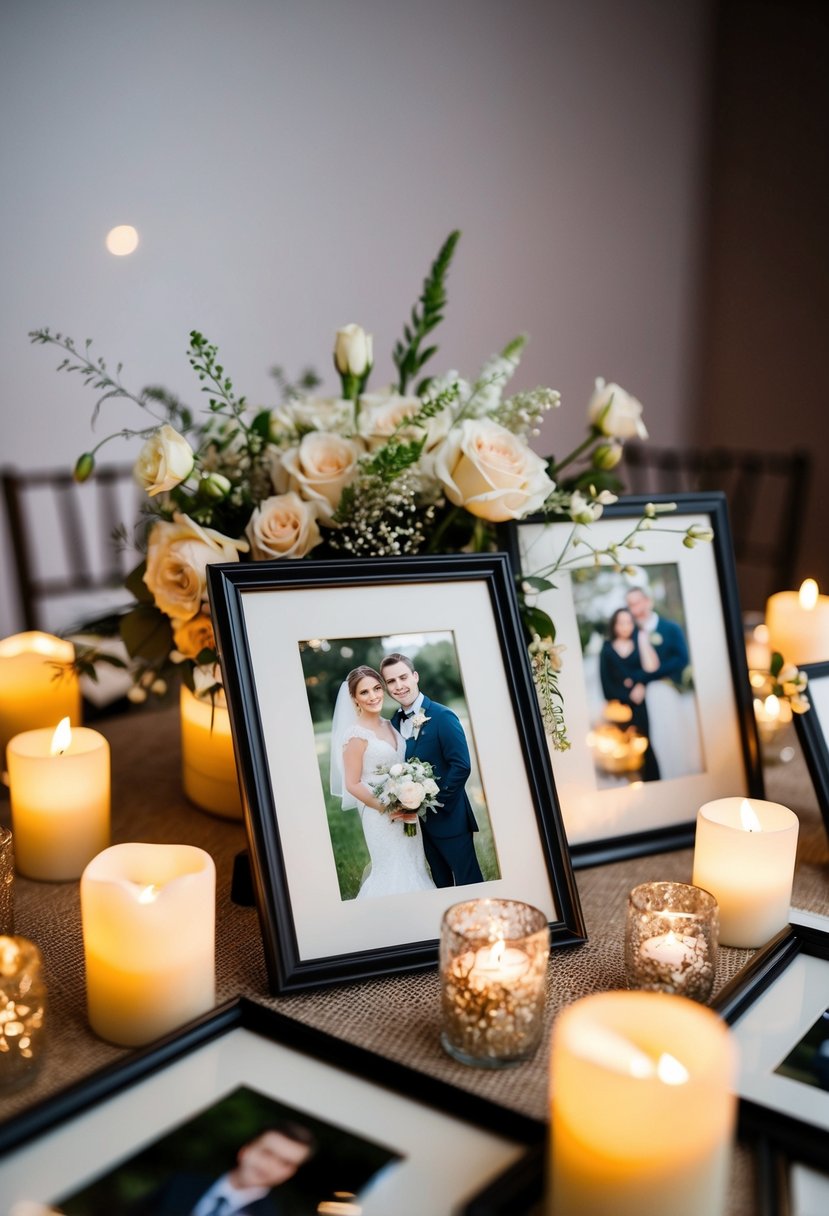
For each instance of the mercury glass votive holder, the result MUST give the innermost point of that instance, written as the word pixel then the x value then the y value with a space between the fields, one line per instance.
pixel 671 938
pixel 22 1011
pixel 6 881
pixel 493 968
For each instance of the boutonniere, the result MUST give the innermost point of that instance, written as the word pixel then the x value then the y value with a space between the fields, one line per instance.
pixel 656 639
pixel 417 722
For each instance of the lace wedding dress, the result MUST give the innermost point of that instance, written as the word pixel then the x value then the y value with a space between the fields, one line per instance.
pixel 398 864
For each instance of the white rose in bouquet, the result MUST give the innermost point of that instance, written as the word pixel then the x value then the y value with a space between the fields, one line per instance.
pixel 615 412
pixel 353 354
pixel 410 794
pixel 283 526
pixel 490 472
pixel 165 460
pixel 319 469
pixel 312 414
pixel 382 413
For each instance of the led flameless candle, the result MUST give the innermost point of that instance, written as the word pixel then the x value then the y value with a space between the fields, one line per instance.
pixel 671 936
pixel 642 1114
pixel 149 916
pixel 60 791
pixel 744 855
pixel 493 964
pixel 208 765
pixel 37 685
pixel 798 624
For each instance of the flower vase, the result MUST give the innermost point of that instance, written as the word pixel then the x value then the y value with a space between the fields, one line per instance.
pixel 208 765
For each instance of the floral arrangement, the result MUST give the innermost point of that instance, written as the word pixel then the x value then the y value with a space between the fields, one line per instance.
pixel 406 786
pixel 428 464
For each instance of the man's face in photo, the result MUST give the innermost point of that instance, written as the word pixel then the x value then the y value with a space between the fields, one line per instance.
pixel 402 683
pixel 270 1159
pixel 640 606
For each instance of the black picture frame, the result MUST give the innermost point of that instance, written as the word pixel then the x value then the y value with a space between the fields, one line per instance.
pixel 781 1120
pixel 473 595
pixel 813 734
pixel 31 1136
pixel 777 1182
pixel 718 625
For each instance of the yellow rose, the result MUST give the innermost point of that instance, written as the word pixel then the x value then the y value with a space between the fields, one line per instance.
pixel 192 637
pixel 283 526
pixel 319 469
pixel 165 460
pixel 178 555
pixel 489 472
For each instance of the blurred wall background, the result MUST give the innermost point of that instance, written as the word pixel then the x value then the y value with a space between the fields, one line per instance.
pixel 293 165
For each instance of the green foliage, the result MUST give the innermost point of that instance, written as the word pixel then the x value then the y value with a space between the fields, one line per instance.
pixel 147 634
pixel 407 354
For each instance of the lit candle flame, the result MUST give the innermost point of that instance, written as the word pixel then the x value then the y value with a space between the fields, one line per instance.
pixel 748 818
pixel 808 594
pixel 148 894
pixel 61 738
pixel 497 952
pixel 670 1071
pixel 772 706
pixel 761 634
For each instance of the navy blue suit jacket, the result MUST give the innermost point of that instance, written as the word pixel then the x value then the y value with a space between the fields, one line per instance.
pixel 442 743
pixel 180 1193
pixel 672 652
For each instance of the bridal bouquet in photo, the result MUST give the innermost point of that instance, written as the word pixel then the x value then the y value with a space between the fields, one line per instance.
pixel 428 464
pixel 408 785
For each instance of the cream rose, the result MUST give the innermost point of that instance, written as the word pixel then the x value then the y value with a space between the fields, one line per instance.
pixel 312 414
pixel 382 413
pixel 283 526
pixel 353 350
pixel 487 470
pixel 615 412
pixel 191 637
pixel 178 555
pixel 410 794
pixel 319 469
pixel 165 460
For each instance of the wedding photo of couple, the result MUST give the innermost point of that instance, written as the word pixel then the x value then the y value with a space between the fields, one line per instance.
pixel 246 1155
pixel 397 754
pixel 638 669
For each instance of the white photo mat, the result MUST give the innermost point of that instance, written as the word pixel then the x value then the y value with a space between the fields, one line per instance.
pixel 445 1158
pixel 276 621
pixel 589 812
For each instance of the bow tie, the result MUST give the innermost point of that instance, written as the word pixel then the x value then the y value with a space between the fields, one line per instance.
pixel 407 713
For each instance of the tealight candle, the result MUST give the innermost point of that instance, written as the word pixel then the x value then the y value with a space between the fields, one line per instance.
pixel 671 936
pixel 208 764
pixel 60 791
pixel 493 964
pixel 758 652
pixel 744 855
pixel 798 624
pixel 38 686
pixel 22 1010
pixel 148 914
pixel 642 1113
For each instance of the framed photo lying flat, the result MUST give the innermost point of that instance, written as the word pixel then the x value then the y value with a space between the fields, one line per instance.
pixel 778 1007
pixel 656 695
pixel 321 662
pixel 813 733
pixel 249 1098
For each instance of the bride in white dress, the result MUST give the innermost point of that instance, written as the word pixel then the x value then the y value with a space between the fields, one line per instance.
pixel 360 740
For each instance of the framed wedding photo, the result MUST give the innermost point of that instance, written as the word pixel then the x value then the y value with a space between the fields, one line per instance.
pixel 247 1097
pixel 391 755
pixel 778 1008
pixel 656 695
pixel 813 733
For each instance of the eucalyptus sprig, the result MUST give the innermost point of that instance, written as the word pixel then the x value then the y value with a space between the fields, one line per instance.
pixel 407 355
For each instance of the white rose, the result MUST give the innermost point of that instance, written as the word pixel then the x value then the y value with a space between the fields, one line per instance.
pixel 487 470
pixel 396 770
pixel 165 460
pixel 319 469
pixel 178 555
pixel 283 526
pixel 431 787
pixel 312 414
pixel 353 351
pixel 615 412
pixel 410 794
pixel 382 413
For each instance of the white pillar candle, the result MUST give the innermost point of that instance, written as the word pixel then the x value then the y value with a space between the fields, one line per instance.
pixel 208 765
pixel 37 685
pixel 149 917
pixel 744 855
pixel 60 792
pixel 798 624
pixel 642 1114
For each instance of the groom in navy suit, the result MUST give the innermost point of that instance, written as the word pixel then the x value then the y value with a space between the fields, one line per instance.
pixel 434 733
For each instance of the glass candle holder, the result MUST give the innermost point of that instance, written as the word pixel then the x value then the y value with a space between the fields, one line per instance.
pixel 493 967
pixel 6 882
pixel 22 1011
pixel 671 938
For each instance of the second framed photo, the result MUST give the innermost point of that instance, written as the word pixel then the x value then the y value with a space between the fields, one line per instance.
pixel 813 733
pixel 656 695
pixel 391 754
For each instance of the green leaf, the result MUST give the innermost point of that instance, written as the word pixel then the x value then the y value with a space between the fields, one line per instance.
pixel 538 622
pixel 538 584
pixel 776 665
pixel 138 589
pixel 408 357
pixel 147 634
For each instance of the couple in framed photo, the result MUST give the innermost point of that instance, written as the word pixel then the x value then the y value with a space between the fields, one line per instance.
pixel 366 747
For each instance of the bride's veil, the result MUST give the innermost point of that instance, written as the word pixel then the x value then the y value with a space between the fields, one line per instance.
pixel 345 716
